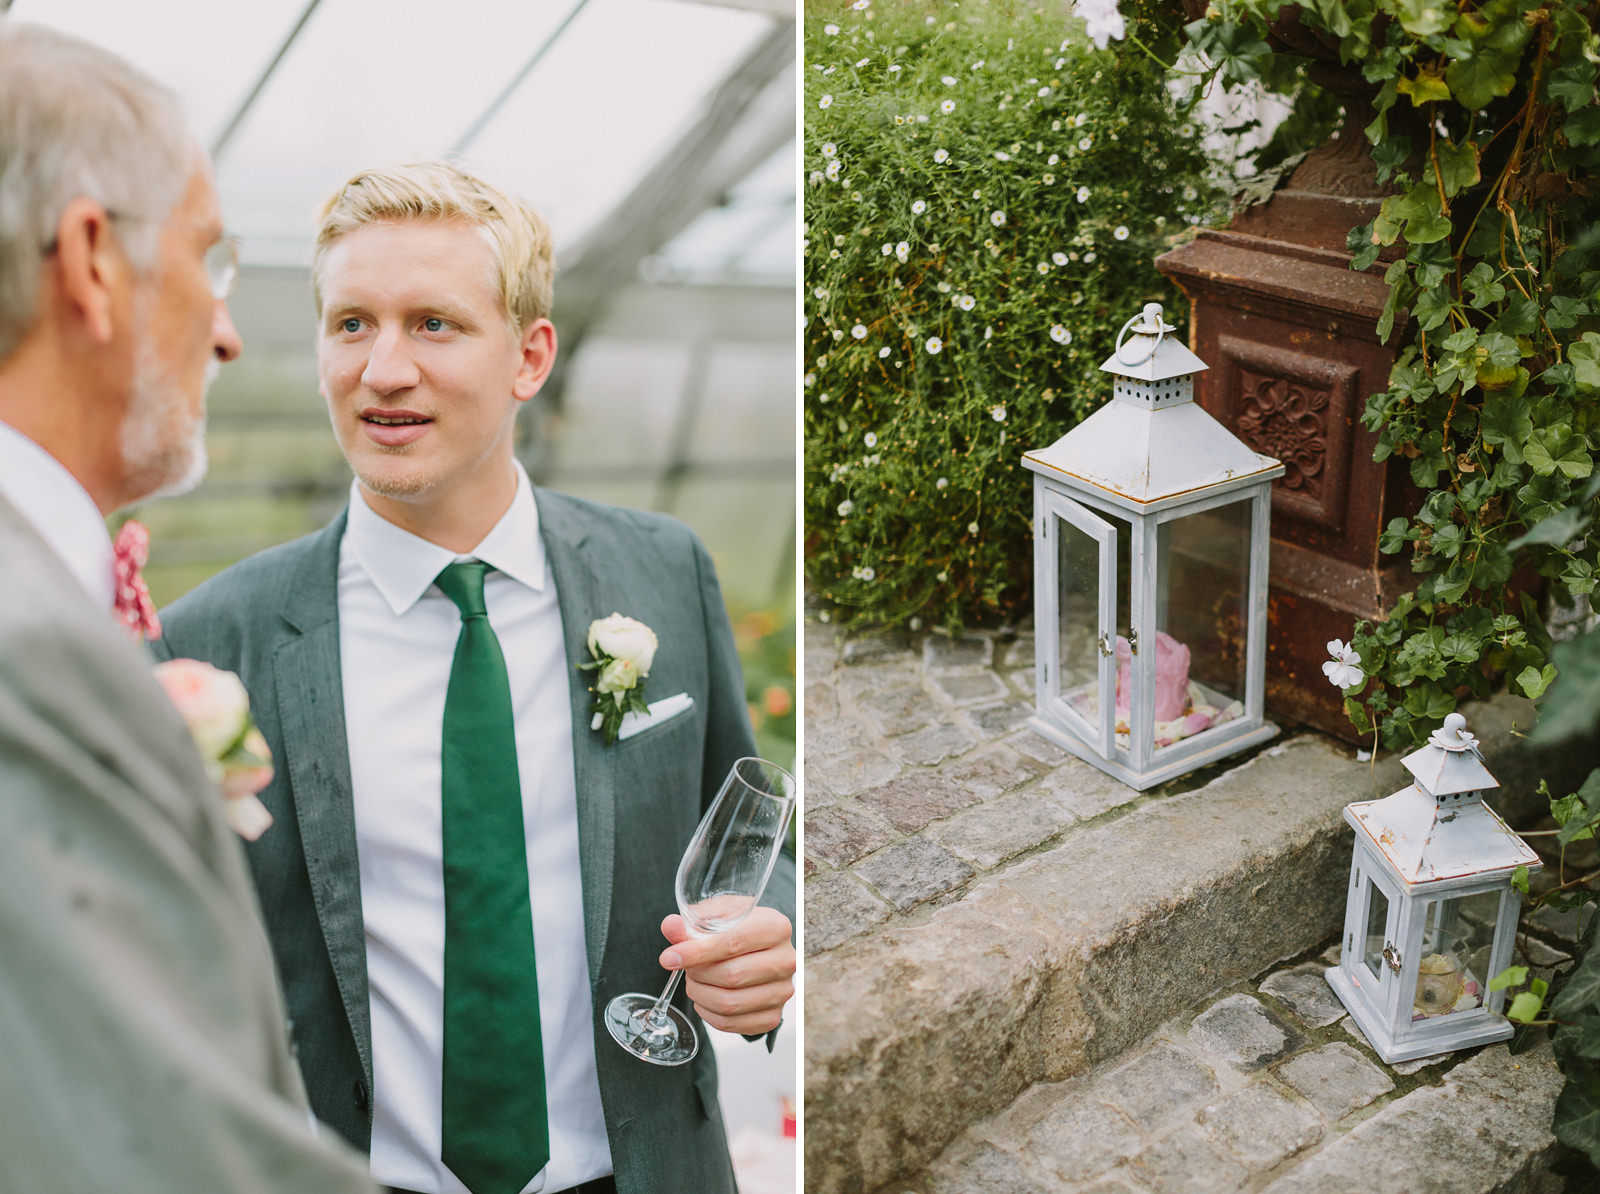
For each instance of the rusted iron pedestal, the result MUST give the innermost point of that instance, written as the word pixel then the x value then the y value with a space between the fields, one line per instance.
pixel 1290 333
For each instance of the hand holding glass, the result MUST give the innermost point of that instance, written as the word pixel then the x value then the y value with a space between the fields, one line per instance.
pixel 722 875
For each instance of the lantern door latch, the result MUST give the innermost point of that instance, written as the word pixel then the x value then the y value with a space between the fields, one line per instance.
pixel 1133 640
pixel 1105 643
pixel 1391 956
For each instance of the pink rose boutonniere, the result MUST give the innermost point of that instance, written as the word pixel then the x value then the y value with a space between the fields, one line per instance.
pixel 623 651
pixel 216 708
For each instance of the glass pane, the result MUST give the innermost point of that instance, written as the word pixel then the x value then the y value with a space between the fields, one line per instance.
pixel 1377 926
pixel 1202 612
pixel 1078 620
pixel 1456 939
pixel 1121 645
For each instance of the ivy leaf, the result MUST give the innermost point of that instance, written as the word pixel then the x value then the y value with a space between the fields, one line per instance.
pixel 1390 154
pixel 1511 976
pixel 1585 358
pixel 1573 704
pixel 1386 226
pixel 1458 166
pixel 1477 80
pixel 1424 18
pixel 1561 527
pixel 1533 682
pixel 1583 127
pixel 1572 84
pixel 1426 88
pixel 1525 1007
pixel 1582 990
pixel 1577 1117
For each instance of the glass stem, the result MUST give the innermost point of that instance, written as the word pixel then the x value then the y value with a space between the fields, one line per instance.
pixel 658 1012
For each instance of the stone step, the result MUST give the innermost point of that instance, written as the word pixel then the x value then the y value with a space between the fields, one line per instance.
pixel 1268 1090
pixel 982 917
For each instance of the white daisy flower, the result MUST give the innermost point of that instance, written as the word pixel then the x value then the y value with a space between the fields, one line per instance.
pixel 1088 257
pixel 941 155
pixel 1120 232
pixel 1085 142
pixel 1048 180
pixel 948 80
pixel 972 528
pixel 829 149
pixel 860 4
pixel 1052 159
pixel 831 170
pixel 943 288
pixel 1059 257
pixel 1044 267
pixel 822 293
pixel 810 380
pixel 845 507
pixel 942 483
pixel 825 102
pixel 947 107
pixel 1060 335
pixel 997 413
pixel 997 218
pixel 902 252
pixel 1043 91
pixel 895 69
pixel 868 574
pixel 966 302
pixel 918 207
pixel 883 352
pixel 1083 194
pixel 859 331
pixel 934 345
pixel 870 439
pixel 1081 119
pixel 831 30
pixel 1001 155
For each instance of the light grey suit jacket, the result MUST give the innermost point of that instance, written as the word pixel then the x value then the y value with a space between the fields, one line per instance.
pixel 142 1040
pixel 274 620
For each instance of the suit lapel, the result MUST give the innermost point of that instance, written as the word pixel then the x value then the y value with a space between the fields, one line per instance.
pixel 310 696
pixel 563 529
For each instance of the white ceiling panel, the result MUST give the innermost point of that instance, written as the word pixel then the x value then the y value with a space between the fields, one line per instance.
pixel 623 83
pixel 210 55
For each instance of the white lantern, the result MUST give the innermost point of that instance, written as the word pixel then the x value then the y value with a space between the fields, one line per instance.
pixel 1430 913
pixel 1150 533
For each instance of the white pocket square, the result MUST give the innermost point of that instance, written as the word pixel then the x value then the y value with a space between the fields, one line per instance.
pixel 659 711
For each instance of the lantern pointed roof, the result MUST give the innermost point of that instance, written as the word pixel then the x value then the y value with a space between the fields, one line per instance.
pixel 1147 354
pixel 1428 834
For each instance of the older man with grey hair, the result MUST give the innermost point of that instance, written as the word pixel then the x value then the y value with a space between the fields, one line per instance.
pixel 141 1022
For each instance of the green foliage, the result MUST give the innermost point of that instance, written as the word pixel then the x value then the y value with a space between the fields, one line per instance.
pixel 765 638
pixel 985 196
pixel 1487 129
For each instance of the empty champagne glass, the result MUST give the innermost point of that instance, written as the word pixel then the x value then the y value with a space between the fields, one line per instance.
pixel 722 875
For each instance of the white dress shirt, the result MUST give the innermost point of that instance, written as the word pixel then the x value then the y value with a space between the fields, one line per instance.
pixel 60 509
pixel 397 638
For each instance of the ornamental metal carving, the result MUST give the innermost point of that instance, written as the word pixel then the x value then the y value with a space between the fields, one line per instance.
pixel 1286 419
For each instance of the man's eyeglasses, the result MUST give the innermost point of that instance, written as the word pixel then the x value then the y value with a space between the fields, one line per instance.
pixel 222 258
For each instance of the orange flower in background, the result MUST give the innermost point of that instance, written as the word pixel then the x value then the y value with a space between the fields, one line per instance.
pixel 778 700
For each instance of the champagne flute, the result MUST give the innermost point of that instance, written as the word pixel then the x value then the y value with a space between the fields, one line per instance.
pixel 722 875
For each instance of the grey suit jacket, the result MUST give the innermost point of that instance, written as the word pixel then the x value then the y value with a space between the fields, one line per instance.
pixel 141 1027
pixel 274 620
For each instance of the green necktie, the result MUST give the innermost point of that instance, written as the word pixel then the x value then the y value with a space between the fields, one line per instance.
pixel 496 1125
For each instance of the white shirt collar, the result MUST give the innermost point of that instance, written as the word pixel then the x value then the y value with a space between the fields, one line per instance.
pixel 60 509
pixel 403 565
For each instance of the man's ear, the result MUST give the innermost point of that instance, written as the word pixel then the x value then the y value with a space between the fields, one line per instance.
pixel 90 267
pixel 538 358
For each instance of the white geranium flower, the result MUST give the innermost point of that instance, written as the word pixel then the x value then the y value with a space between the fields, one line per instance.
pixel 1344 669
pixel 997 218
pixel 859 331
pixel 1083 194
pixel 947 107
pixel 918 207
pixel 941 155
pixel 1120 232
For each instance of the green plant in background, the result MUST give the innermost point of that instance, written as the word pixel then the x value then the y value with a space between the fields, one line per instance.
pixel 1488 130
pixel 765 638
pixel 985 194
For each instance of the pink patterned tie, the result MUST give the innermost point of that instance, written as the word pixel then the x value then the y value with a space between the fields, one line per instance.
pixel 133 607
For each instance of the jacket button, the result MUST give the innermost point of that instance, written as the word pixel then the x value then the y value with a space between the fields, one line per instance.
pixel 361 1095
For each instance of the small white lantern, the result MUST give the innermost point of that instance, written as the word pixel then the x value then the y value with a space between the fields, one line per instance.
pixel 1150 534
pixel 1431 914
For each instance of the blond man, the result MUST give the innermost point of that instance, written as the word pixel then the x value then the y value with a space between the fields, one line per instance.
pixel 140 1020
pixel 433 290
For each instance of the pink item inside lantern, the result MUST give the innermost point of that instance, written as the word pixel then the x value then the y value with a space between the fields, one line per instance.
pixel 1172 677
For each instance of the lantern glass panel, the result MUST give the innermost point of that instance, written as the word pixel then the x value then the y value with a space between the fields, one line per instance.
pixel 1078 621
pixel 1457 937
pixel 1202 620
pixel 1377 930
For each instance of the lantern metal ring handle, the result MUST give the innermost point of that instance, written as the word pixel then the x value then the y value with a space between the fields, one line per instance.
pixel 1153 314
pixel 1392 956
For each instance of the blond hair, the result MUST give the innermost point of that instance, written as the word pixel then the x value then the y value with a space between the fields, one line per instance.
pixel 77 121
pixel 517 234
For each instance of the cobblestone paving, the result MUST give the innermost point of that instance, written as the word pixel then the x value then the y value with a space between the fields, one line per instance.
pixel 920 774
pixel 1268 1087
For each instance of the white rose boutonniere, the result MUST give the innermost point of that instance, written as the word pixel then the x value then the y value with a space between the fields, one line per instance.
pixel 623 651
pixel 216 708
